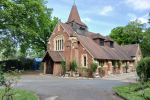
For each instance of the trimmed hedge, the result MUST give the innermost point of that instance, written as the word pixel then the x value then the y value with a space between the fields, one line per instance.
pixel 15 64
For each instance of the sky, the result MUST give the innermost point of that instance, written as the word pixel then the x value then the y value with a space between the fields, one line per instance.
pixel 101 16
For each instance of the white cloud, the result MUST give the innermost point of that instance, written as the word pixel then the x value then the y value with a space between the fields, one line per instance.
pixel 86 20
pixel 143 19
pixel 105 10
pixel 139 4
pixel 131 16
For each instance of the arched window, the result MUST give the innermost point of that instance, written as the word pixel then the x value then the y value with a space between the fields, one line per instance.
pixel 59 43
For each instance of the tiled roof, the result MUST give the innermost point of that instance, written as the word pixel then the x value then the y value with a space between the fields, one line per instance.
pixel 130 49
pixel 67 28
pixel 100 52
pixel 103 52
pixel 55 55
pixel 74 15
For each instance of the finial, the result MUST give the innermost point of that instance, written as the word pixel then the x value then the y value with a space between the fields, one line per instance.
pixel 74 2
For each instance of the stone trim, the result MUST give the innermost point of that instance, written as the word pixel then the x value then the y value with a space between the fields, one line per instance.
pixel 82 60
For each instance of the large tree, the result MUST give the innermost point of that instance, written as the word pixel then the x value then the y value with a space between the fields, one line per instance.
pixel 133 33
pixel 28 23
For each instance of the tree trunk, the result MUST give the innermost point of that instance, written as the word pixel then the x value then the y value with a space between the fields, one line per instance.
pixel 71 72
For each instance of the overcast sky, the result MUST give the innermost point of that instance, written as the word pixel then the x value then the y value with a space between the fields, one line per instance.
pixel 101 16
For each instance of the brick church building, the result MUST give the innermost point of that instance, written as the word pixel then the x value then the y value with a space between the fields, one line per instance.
pixel 72 40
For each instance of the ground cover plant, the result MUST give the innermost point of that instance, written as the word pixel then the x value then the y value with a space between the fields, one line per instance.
pixel 135 93
pixel 19 94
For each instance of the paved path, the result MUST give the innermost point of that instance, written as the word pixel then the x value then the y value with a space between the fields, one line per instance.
pixel 70 89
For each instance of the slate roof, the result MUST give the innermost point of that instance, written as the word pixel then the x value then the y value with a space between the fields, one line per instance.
pixel 55 55
pixel 130 49
pixel 74 15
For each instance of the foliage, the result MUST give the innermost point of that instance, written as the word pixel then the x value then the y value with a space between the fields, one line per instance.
pixel 87 69
pixel 126 66
pixel 63 64
pixel 7 79
pixel 20 94
pixel 42 66
pixel 26 24
pixel 118 36
pixel 133 95
pixel 73 64
pixel 143 67
pixel 114 64
pixel 94 65
pixel 133 33
pixel 120 62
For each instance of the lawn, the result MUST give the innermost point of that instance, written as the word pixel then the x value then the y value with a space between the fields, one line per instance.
pixel 20 94
pixel 134 95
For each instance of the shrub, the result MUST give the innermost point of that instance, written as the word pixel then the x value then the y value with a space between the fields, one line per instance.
pixel 143 67
pixel 114 64
pixel 87 69
pixel 63 64
pixel 126 66
pixel 94 65
pixel 119 64
pixel 73 64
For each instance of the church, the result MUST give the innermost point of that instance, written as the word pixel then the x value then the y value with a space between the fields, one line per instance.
pixel 72 40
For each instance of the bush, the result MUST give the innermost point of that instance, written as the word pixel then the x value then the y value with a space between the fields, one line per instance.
pixel 73 64
pixel 94 66
pixel 143 67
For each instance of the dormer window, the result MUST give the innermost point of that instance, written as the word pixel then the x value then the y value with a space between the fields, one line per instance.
pixel 101 42
pixel 111 44
pixel 81 28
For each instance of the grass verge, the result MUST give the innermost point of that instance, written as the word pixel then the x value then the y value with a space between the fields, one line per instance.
pixel 134 95
pixel 19 94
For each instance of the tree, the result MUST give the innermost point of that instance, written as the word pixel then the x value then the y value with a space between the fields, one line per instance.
pixel 117 35
pixel 133 33
pixel 145 44
pixel 28 23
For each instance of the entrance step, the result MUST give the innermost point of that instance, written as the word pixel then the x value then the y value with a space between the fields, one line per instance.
pixel 97 75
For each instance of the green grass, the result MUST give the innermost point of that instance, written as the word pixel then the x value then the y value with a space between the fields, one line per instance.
pixel 132 95
pixel 19 94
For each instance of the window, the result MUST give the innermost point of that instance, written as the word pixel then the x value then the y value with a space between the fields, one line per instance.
pixel 56 45
pixel 62 44
pixel 81 28
pixel 111 44
pixel 84 60
pixel 101 62
pixel 101 42
pixel 59 43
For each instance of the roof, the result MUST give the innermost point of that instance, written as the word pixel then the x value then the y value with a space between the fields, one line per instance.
pixel 74 16
pixel 38 59
pixel 100 52
pixel 67 28
pixel 103 52
pixel 130 49
pixel 55 55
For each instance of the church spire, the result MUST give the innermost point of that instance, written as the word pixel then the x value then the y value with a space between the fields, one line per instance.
pixel 74 15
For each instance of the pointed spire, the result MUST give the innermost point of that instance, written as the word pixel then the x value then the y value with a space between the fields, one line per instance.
pixel 74 15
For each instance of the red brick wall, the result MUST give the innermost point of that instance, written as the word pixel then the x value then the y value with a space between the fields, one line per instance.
pixel 107 43
pixel 69 53
pixel 97 41
pixel 57 69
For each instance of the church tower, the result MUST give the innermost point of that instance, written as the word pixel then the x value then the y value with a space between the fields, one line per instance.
pixel 75 22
